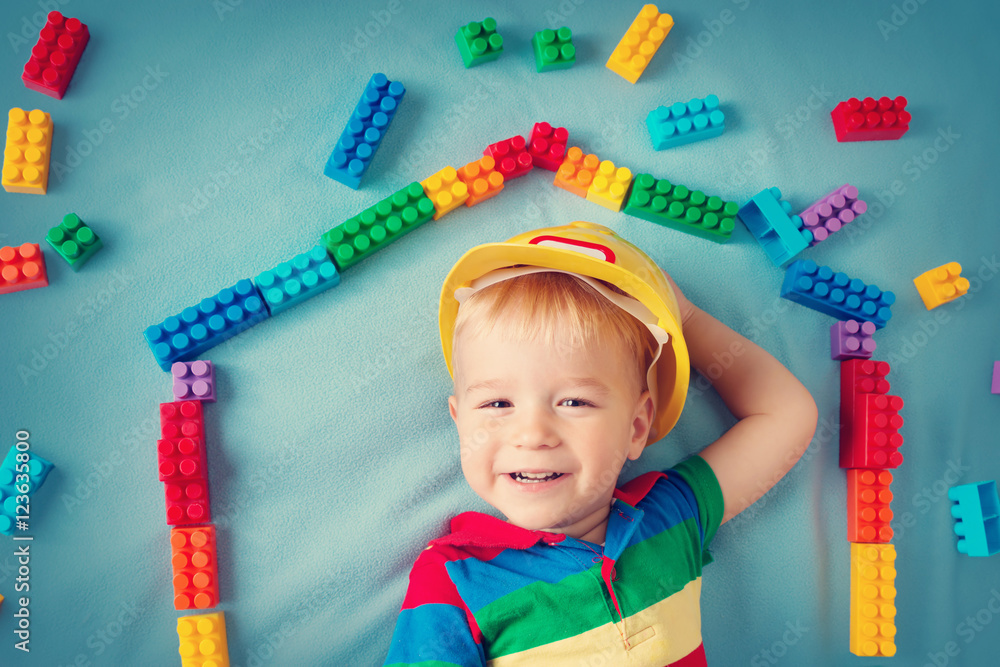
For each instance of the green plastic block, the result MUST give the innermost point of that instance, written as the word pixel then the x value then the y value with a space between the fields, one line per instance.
pixel 74 241
pixel 554 49
pixel 675 206
pixel 374 228
pixel 479 42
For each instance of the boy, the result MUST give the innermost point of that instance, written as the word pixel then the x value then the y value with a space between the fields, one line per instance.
pixel 569 351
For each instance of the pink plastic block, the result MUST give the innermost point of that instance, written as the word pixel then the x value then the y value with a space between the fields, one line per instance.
pixel 194 380
pixel 852 340
pixel 54 57
pixel 996 377
pixel 512 157
pixel 548 146
pixel 182 419
pixel 832 212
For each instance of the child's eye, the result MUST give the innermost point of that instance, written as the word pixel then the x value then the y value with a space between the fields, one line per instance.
pixel 579 401
pixel 497 404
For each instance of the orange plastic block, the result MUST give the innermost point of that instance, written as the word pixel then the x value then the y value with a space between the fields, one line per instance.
pixel 639 45
pixel 182 419
pixel 941 285
pixel 445 190
pixel 868 498
pixel 576 173
pixel 482 179
pixel 512 157
pixel 195 565
pixel 873 599
pixel 875 439
pixel 29 149
pixel 22 268
pixel 609 186
pixel 203 640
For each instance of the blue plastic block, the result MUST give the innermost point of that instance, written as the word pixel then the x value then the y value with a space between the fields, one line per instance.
pixel 198 328
pixel 292 282
pixel 368 124
pixel 819 288
pixel 781 235
pixel 977 518
pixel 681 123
pixel 38 470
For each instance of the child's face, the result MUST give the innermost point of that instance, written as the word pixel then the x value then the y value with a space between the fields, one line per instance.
pixel 525 406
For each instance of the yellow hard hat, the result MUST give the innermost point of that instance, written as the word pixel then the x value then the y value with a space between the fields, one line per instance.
pixel 588 251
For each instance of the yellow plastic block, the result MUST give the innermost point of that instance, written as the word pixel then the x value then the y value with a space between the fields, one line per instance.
pixel 609 186
pixel 445 190
pixel 941 285
pixel 639 45
pixel 203 640
pixel 29 148
pixel 873 599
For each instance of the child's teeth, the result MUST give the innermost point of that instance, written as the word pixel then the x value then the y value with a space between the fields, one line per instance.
pixel 530 477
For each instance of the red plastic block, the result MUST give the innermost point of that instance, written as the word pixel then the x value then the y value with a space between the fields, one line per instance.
pixel 482 180
pixel 577 171
pixel 871 119
pixel 858 376
pixel 54 57
pixel 875 437
pixel 182 419
pixel 181 458
pixel 22 268
pixel 548 146
pixel 512 157
pixel 188 502
pixel 868 498
pixel 195 565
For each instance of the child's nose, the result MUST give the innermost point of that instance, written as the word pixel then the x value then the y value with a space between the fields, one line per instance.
pixel 535 429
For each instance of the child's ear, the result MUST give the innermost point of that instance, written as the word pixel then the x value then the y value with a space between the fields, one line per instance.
pixel 453 408
pixel 642 421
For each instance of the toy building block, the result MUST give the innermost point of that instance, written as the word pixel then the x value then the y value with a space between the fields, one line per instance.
pixel 368 124
pixel 203 640
pixel 995 387
pixel 374 228
pixel 547 146
pixel 941 285
pixel 188 502
pixel 834 294
pixel 677 207
pixel 38 470
pixel 768 218
pixel 292 282
pixel 512 157
pixel 832 212
pixel 182 419
pixel 446 191
pixel 977 518
pixel 639 45
pixel 852 340
pixel 577 172
pixel 870 120
pixel 194 381
pixel 195 566
pixel 181 459
pixel 28 152
pixel 553 49
pixel 679 124
pixel 858 377
pixel 54 57
pixel 873 599
pixel 22 268
pixel 609 186
pixel 482 180
pixel 216 319
pixel 479 42
pixel 868 499
pixel 874 439
pixel 74 241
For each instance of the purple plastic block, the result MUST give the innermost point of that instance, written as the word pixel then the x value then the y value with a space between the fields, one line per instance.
pixel 852 340
pixel 996 377
pixel 194 380
pixel 832 212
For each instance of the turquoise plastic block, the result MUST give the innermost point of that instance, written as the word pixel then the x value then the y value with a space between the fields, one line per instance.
pixel 38 470
pixel 479 43
pixel 680 123
pixel 819 288
pixel 781 235
pixel 977 518
pixel 294 281
pixel 553 49
pixel 198 328
pixel 368 124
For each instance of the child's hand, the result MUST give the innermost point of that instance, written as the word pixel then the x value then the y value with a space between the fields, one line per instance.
pixel 686 307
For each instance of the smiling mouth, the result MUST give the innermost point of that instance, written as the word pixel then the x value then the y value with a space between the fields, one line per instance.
pixel 534 478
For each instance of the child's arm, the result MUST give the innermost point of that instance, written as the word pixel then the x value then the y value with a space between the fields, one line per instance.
pixel 777 415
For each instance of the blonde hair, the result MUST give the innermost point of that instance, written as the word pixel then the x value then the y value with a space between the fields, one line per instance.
pixel 537 306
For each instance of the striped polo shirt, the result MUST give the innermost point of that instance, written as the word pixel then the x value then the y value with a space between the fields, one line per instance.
pixel 492 593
